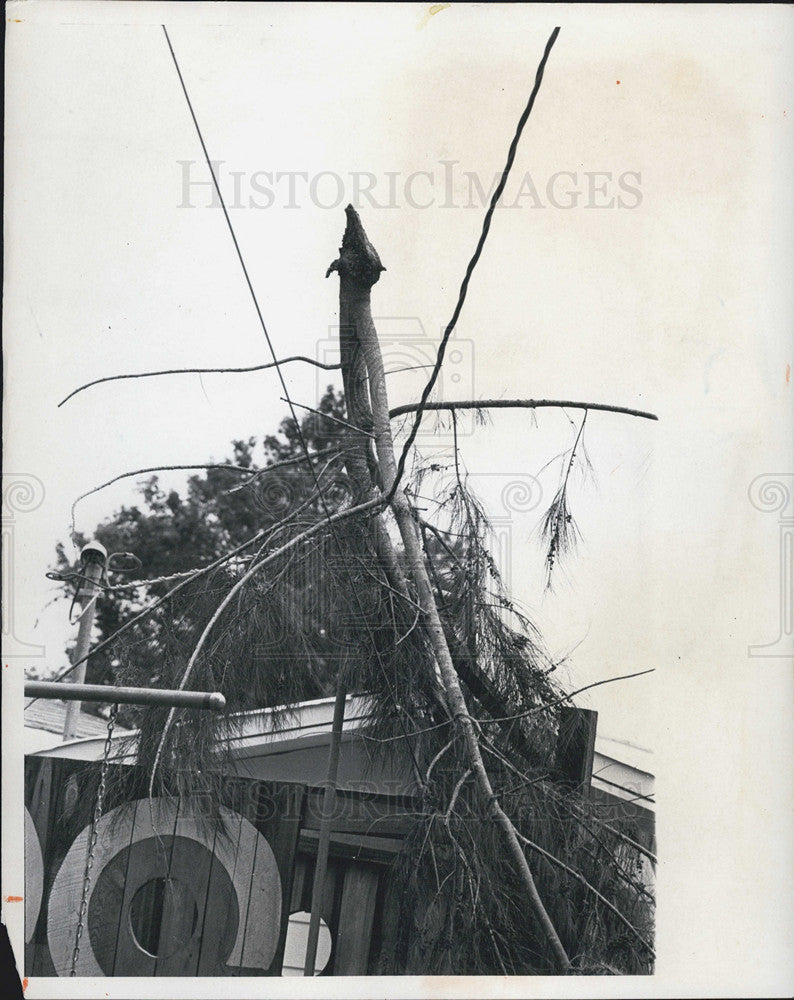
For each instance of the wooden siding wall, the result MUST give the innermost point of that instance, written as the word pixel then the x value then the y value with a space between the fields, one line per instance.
pixel 228 872
pixel 207 920
pixel 244 881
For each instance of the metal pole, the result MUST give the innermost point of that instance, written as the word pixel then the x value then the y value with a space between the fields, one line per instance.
pixel 324 840
pixel 93 559
pixel 212 700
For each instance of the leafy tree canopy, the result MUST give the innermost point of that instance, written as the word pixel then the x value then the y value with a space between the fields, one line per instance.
pixel 172 533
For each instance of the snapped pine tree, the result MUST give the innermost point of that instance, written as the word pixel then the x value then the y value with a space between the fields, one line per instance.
pixel 359 268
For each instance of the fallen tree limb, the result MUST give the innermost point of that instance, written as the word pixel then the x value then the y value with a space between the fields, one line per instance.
pixel 517 404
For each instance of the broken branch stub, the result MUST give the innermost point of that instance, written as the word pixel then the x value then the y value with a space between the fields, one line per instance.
pixel 358 262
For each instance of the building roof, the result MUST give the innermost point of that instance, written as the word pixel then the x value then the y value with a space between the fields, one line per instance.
pixel 44 722
pixel 287 744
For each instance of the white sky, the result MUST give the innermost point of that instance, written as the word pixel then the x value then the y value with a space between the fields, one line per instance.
pixel 680 305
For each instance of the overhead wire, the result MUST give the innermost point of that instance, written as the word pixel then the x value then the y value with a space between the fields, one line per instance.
pixel 486 225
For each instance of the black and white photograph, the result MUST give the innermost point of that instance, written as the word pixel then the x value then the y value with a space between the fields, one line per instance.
pixel 398 517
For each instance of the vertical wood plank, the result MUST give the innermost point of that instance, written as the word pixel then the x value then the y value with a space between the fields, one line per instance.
pixel 333 879
pixel 298 883
pixel 575 748
pixel 38 791
pixel 269 817
pixel 55 838
pixel 275 810
pixel 66 893
pixel 130 958
pixel 38 785
pixel 222 912
pixel 302 891
pixel 184 903
pixel 103 919
pixel 356 916
pixel 281 832
pixel 385 927
pixel 244 875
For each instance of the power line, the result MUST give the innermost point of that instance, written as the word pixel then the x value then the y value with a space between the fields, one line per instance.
pixel 486 225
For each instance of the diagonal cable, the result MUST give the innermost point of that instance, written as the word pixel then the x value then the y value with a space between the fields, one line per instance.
pixel 464 288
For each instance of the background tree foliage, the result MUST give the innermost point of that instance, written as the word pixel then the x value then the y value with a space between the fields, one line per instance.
pixel 172 533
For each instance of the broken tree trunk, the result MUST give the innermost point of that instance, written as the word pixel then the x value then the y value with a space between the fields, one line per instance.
pixel 359 267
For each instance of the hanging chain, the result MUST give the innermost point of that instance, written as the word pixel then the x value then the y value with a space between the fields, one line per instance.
pixel 92 839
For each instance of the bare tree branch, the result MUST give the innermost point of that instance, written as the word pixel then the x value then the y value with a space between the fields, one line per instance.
pixel 254 473
pixel 296 460
pixel 200 371
pixel 157 468
pixel 336 420
pixel 455 793
pixel 567 697
pixel 517 404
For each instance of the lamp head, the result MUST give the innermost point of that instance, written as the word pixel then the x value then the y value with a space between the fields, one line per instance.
pixel 94 552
